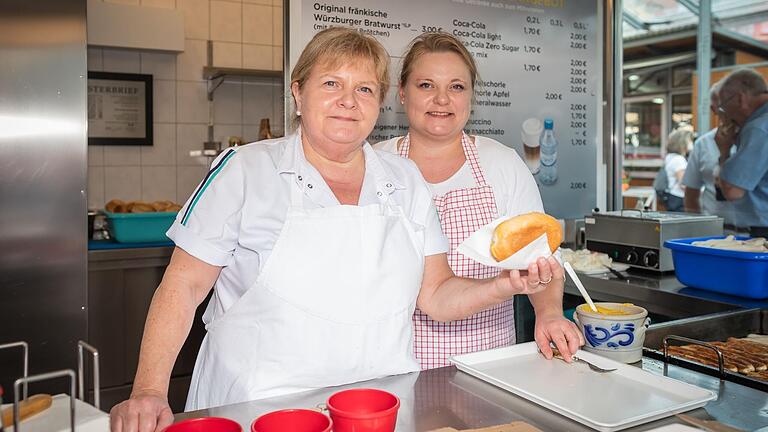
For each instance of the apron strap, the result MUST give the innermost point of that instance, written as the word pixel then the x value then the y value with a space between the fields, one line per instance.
pixel 470 153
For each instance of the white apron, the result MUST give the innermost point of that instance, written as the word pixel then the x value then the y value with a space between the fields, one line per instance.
pixel 462 212
pixel 332 305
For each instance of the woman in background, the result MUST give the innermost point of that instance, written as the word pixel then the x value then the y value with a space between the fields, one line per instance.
pixel 473 181
pixel 675 163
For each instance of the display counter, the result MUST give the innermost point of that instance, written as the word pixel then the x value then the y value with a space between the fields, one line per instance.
pixel 446 397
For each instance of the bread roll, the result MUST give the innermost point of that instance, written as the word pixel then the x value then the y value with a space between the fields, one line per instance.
pixel 516 233
pixel 159 205
pixel 114 206
pixel 141 207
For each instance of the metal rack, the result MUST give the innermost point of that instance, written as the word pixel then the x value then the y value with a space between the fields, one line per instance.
pixel 20 386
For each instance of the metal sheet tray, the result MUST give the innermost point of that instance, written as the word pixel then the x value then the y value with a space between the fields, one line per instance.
pixel 610 401
pixel 709 328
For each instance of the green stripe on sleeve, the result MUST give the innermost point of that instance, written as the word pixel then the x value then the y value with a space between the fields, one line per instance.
pixel 205 186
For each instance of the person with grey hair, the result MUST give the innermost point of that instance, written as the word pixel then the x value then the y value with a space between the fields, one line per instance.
pixel 743 176
pixel 674 167
pixel 699 178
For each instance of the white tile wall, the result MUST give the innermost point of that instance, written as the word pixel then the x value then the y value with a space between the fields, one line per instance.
pixel 122 183
pixel 245 33
pixel 190 137
pixel 158 183
pixel 277 26
pixel 187 179
pixel 96 187
pixel 228 102
pixel 128 2
pixel 163 149
pixel 164 103
pixel 122 155
pixel 277 58
pixel 191 102
pixel 159 65
pixel 116 60
pixel 196 18
pixel 226 21
pixel 189 64
pixel 222 133
pixel 257 57
pixel 227 54
pixel 95 59
pixel 165 4
pixel 258 101
pixel 95 156
pixel 257 24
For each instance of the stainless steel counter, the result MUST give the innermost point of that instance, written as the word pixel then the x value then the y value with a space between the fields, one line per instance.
pixel 660 294
pixel 447 397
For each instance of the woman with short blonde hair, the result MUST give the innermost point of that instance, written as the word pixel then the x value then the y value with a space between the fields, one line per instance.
pixel 318 249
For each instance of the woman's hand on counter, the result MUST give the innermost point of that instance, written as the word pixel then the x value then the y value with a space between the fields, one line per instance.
pixel 146 411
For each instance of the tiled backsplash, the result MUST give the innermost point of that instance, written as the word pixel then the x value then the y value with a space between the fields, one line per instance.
pixel 245 33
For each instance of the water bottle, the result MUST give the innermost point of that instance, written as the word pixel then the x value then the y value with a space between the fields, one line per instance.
pixel 548 145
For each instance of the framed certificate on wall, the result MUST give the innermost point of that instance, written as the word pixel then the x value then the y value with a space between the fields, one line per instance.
pixel 119 109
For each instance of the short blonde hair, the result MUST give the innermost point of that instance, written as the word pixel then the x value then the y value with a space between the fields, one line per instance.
pixel 337 46
pixel 679 141
pixel 436 42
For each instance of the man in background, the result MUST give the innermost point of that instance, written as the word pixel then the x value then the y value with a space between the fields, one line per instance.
pixel 743 176
pixel 699 178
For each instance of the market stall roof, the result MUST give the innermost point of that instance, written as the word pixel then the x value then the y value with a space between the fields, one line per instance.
pixel 661 27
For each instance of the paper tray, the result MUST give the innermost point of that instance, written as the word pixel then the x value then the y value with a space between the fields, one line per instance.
pixel 612 401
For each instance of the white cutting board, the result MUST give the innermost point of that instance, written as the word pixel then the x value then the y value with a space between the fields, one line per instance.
pixel 612 401
pixel 56 418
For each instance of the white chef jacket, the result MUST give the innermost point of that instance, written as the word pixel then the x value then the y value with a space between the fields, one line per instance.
pixel 514 187
pixel 236 213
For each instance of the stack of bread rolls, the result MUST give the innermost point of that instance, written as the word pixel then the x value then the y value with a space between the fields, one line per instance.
pixel 120 206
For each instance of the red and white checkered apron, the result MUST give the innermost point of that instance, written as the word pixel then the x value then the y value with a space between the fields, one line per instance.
pixel 462 212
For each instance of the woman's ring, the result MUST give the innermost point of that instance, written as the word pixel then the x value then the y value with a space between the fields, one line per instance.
pixel 546 281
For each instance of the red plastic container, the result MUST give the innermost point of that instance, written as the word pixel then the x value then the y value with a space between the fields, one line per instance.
pixel 205 424
pixel 363 410
pixel 292 420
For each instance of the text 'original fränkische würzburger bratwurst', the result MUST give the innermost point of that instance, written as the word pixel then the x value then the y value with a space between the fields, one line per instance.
pixel 516 233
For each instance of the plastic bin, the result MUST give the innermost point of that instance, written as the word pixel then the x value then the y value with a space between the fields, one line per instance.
pixel 140 227
pixel 743 274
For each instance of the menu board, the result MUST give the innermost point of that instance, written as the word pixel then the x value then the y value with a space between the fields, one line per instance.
pixel 538 60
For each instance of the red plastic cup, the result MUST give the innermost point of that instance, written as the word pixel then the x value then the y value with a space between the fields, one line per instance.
pixel 292 420
pixel 205 424
pixel 363 410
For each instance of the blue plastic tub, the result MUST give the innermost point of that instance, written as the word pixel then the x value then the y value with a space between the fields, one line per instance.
pixel 139 227
pixel 743 274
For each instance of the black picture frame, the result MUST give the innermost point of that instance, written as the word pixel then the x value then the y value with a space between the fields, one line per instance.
pixel 119 109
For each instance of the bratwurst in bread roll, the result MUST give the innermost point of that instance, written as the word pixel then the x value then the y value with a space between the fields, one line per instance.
pixel 516 233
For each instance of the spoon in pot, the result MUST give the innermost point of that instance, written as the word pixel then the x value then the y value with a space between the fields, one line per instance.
pixel 579 285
